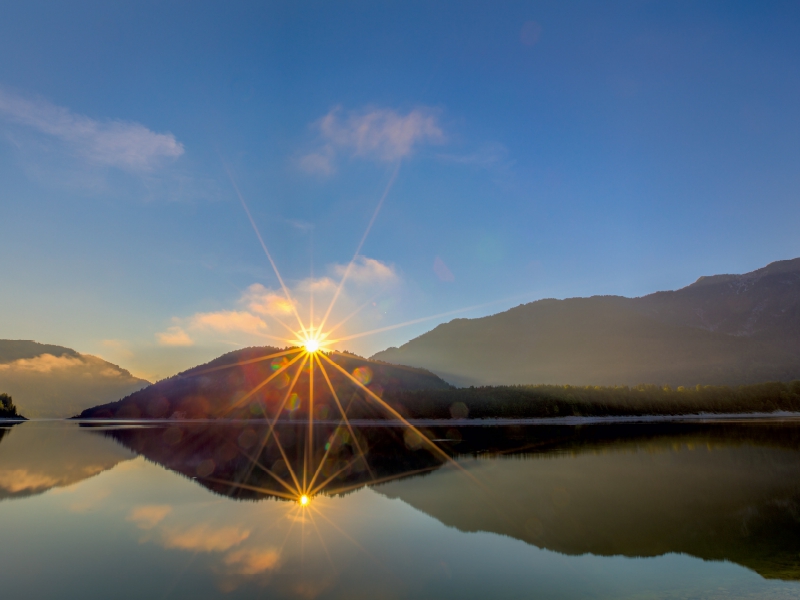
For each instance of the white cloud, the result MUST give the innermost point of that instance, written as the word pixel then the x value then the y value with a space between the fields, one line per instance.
pixel 262 314
pixel 381 134
pixel 124 144
pixel 226 321
pixel 174 336
pixel 44 363
pixel 263 301
pixel 366 271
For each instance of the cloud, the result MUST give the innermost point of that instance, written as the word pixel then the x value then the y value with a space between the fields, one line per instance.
pixel 174 336
pixel 368 271
pixel 379 134
pixel 204 538
pixel 148 516
pixel 44 363
pixel 123 144
pixel 266 313
pixel 226 321
pixel 260 300
pixel 320 163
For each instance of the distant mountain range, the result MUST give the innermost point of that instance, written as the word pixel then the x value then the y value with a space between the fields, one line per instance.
pixel 723 329
pixel 48 381
pixel 222 388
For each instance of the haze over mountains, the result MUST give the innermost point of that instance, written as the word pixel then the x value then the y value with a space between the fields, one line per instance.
pixel 723 329
pixel 48 381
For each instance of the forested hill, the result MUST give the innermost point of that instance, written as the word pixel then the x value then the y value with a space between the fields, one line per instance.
pixel 253 382
pixel 720 330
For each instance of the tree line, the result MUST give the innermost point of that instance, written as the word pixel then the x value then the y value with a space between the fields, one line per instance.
pixel 541 401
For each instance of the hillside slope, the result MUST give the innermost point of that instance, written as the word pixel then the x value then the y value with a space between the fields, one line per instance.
pixel 725 329
pixel 49 381
pixel 221 388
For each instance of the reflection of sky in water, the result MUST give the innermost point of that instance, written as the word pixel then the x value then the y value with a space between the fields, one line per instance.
pixel 138 530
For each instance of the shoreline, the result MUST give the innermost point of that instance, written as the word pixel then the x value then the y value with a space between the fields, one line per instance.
pixel 571 420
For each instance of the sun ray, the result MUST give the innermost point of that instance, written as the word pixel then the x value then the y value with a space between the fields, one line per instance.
pixel 388 478
pixel 274 475
pixel 252 488
pixel 240 363
pixel 415 321
pixel 321 541
pixel 395 414
pixel 355 543
pixel 288 464
pixel 310 442
pixel 360 245
pixel 274 421
pixel 344 417
pixel 294 333
pixel 350 463
pixel 264 246
pixel 351 315
pixel 249 394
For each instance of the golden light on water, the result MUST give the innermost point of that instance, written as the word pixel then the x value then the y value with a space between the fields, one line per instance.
pixel 309 348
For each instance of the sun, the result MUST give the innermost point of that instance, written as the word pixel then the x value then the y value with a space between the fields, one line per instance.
pixel 311 345
pixel 304 500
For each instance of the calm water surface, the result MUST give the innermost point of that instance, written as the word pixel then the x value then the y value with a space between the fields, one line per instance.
pixel 204 511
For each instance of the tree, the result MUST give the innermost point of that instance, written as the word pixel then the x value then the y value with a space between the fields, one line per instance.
pixel 7 408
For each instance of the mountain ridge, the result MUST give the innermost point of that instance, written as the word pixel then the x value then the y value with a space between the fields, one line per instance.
pixel 721 329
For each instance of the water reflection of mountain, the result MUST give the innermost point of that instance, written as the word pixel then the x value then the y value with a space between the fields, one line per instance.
pixel 233 460
pixel 716 492
pixel 36 457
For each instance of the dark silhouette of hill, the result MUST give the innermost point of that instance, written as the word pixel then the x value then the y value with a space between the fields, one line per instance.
pixel 220 388
pixel 720 330
pixel 717 492
pixel 53 381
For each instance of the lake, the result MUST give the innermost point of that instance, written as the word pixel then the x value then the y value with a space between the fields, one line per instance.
pixel 203 510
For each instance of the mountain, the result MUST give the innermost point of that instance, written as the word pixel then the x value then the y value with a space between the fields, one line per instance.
pixel 222 388
pixel 49 381
pixel 723 329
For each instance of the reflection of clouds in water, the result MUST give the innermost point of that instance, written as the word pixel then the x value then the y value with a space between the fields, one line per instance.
pixel 22 480
pixel 204 537
pixel 147 517
pixel 252 561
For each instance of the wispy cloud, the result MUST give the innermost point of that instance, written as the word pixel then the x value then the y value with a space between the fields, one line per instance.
pixel 123 144
pixel 379 134
pixel 368 271
pixel 259 309
pixel 174 336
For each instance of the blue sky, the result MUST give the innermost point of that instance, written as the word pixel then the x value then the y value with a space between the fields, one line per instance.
pixel 525 150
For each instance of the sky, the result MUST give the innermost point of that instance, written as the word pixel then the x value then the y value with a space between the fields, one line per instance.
pixel 514 151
